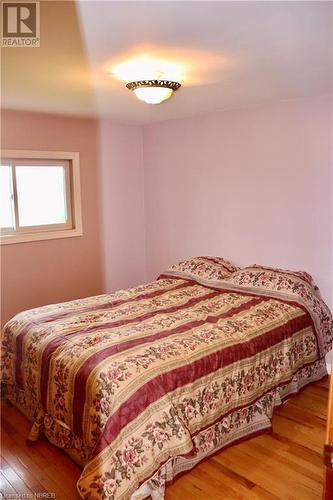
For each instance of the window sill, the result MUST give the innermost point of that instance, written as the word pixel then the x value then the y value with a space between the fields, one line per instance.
pixel 8 239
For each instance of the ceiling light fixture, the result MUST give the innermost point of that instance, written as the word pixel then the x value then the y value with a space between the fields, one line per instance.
pixel 153 91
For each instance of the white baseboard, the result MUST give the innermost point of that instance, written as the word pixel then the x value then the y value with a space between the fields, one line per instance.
pixel 328 359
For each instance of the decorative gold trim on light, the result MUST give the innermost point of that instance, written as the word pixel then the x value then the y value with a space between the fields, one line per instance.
pixel 153 91
pixel 153 83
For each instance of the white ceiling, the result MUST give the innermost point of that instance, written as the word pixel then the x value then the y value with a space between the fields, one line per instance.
pixel 234 54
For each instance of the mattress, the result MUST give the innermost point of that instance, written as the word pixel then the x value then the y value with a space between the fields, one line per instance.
pixel 140 385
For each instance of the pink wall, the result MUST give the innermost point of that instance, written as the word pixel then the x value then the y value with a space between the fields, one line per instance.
pixel 253 185
pixel 122 200
pixel 109 255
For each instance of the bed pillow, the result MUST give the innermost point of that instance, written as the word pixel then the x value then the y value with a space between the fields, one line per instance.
pixel 207 268
pixel 287 285
pixel 274 278
pixel 298 274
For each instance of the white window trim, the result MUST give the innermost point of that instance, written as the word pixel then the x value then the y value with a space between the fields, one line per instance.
pixel 38 235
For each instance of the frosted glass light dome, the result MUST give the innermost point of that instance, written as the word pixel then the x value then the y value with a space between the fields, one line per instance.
pixel 153 95
pixel 153 91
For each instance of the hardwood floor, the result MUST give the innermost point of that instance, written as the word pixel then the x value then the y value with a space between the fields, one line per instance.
pixel 285 465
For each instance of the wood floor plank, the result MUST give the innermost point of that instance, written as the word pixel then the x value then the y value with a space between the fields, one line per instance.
pixel 312 403
pixel 36 460
pixel 299 457
pixel 284 465
pixel 14 479
pixel 6 488
pixel 306 417
pixel 300 433
pixel 268 474
pixel 306 478
pixel 35 474
pixel 259 493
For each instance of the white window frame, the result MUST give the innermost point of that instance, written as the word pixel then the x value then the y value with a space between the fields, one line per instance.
pixel 73 227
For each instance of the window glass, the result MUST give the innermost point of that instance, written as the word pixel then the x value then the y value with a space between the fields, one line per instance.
pixel 6 198
pixel 41 195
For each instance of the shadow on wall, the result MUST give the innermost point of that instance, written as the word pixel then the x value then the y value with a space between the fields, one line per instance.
pixel 59 67
pixel 110 254
pixel 38 273
pixel 49 271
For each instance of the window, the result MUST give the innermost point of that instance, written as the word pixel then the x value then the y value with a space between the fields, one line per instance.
pixel 39 196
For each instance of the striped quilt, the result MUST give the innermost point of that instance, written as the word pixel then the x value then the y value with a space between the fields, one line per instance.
pixel 140 385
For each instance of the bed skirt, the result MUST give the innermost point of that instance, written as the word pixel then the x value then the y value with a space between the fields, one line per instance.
pixel 234 427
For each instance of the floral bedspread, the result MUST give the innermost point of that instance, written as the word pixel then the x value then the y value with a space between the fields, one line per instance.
pixel 134 383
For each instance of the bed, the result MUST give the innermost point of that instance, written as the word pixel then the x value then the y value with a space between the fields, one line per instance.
pixel 141 385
